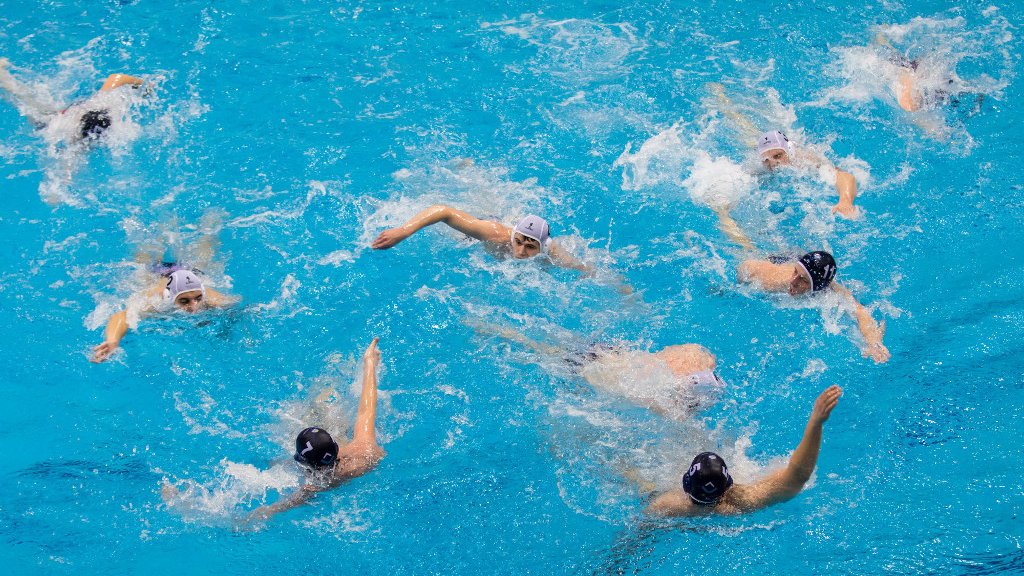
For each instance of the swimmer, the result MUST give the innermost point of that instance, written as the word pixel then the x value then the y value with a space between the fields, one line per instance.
pixel 326 464
pixel 530 237
pixel 708 489
pixel 672 382
pixel 915 90
pixel 813 274
pixel 91 116
pixel 776 152
pixel 175 287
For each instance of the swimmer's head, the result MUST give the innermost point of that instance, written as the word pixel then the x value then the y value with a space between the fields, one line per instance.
pixel 774 149
pixel 814 272
pixel 93 124
pixel 315 448
pixel 185 289
pixel 707 480
pixel 530 237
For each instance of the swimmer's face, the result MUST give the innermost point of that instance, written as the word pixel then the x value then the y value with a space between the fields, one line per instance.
pixel 799 283
pixel 190 302
pixel 772 159
pixel 524 247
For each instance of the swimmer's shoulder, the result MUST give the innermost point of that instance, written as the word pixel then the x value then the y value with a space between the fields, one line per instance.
pixel 672 503
pixel 754 269
pixel 356 459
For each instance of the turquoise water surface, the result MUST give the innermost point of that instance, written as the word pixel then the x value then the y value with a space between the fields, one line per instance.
pixel 301 130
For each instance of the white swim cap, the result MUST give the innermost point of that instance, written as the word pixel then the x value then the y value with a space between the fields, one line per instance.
pixel 773 140
pixel 533 227
pixel 182 281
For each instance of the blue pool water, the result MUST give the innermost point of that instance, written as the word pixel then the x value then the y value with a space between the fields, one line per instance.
pixel 309 127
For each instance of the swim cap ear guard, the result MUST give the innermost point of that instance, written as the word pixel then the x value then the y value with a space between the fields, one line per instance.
pixel 707 479
pixel 820 267
pixel 314 447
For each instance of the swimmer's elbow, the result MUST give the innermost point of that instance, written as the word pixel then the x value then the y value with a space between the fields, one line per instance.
pixel 440 211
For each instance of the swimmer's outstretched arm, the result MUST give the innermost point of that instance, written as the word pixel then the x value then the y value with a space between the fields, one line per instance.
pixel 732 229
pixel 293 500
pixel 788 482
pixel 484 230
pixel 364 435
pixel 118 80
pixel 117 327
pixel 729 110
pixel 871 331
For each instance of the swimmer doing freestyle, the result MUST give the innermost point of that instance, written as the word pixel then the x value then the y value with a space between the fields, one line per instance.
pixel 328 465
pixel 671 382
pixel 175 287
pixel 530 237
pixel 92 116
pixel 812 274
pixel 708 489
pixel 775 152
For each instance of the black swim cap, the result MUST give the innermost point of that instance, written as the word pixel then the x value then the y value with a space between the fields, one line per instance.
pixel 93 123
pixel 315 447
pixel 821 266
pixel 707 479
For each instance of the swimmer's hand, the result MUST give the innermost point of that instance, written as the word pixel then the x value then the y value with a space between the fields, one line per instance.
pixel 823 406
pixel 877 352
pixel 371 358
pixel 103 352
pixel 168 492
pixel 389 238
pixel 845 209
pixel 4 62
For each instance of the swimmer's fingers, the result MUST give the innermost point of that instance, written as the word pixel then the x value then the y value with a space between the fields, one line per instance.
pixel 845 210
pixel 879 353
pixel 826 401
pixel 372 354
pixel 388 239
pixel 102 352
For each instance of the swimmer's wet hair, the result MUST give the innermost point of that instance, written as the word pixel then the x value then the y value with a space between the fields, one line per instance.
pixel 94 123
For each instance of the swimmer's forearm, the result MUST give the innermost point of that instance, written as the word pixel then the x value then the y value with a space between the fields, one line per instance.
pixel 294 501
pixel 117 327
pixel 805 457
pixel 869 329
pixel 732 229
pixel 118 80
pixel 846 186
pixel 366 416
pixel 428 217
pixel 566 260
